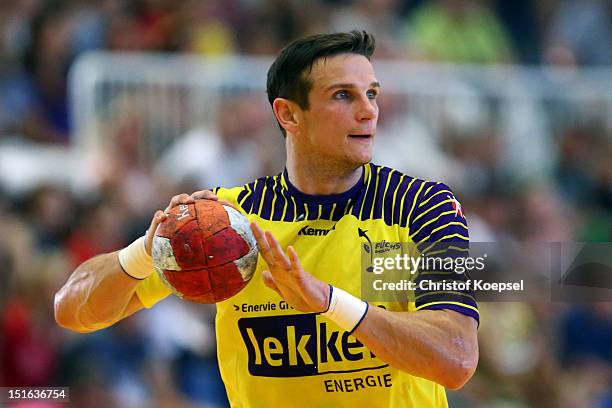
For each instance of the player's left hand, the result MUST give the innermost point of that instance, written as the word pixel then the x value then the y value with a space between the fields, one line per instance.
pixel 286 276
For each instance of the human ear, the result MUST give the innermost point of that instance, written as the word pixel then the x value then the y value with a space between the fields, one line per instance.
pixel 286 113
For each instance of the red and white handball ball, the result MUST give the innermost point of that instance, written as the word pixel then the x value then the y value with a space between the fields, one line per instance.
pixel 205 252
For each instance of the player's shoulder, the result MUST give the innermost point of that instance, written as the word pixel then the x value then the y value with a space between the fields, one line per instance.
pixel 411 198
pixel 242 195
pixel 420 189
pixel 249 186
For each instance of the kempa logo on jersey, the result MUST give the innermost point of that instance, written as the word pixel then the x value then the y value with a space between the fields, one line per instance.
pixel 298 345
pixel 307 230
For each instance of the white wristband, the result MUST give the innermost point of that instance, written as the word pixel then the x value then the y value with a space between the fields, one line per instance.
pixel 345 309
pixel 135 261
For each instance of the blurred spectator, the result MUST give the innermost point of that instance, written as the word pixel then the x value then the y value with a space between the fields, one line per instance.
pixel 51 214
pixel 464 31
pixel 586 353
pixel 30 341
pixel 407 144
pixel 29 356
pixel 15 241
pixel 206 27
pixel 603 179
pixel 586 335
pixel 576 164
pixel 182 341
pixel 544 217
pixel 47 62
pixel 522 20
pixel 15 98
pixel 124 33
pixel 113 360
pixel 517 367
pixel 273 23
pixel 581 33
pixel 101 228
pixel 379 17
pixel 224 156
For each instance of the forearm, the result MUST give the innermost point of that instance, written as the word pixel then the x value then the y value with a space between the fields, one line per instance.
pixel 433 344
pixel 97 294
pixel 439 345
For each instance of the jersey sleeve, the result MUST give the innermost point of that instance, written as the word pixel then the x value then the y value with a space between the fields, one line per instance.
pixel 439 229
pixel 152 290
pixel 239 197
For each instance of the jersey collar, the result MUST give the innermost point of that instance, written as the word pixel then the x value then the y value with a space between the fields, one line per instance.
pixel 325 198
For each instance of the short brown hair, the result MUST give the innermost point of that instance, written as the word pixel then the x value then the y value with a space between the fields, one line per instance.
pixel 286 77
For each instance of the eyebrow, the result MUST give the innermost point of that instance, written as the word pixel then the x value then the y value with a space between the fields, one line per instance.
pixel 375 84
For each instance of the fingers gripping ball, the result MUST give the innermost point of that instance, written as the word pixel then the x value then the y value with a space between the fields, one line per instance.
pixel 205 252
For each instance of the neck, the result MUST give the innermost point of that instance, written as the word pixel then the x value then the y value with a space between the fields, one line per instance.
pixel 318 176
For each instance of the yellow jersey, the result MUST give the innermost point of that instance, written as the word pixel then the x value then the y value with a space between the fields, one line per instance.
pixel 272 355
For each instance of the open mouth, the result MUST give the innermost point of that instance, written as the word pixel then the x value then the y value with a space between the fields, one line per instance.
pixel 366 136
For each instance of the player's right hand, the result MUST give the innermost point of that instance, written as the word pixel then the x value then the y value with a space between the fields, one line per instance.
pixel 285 275
pixel 178 199
pixel 190 199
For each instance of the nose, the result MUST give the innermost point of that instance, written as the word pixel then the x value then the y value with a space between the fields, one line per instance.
pixel 367 109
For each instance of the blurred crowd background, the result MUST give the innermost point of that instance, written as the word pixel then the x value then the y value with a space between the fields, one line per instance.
pixel 536 354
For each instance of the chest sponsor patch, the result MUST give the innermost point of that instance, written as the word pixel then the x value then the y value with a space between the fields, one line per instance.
pixel 301 345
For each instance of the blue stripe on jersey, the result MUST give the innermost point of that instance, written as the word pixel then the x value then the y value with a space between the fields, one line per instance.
pixel 247 203
pixel 467 311
pixel 312 211
pixel 401 192
pixel 381 186
pixel 279 201
pixel 369 198
pixel 342 209
pixel 258 194
pixel 268 195
pixel 326 211
pixel 241 195
pixel 391 189
pixel 408 201
pixel 360 200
